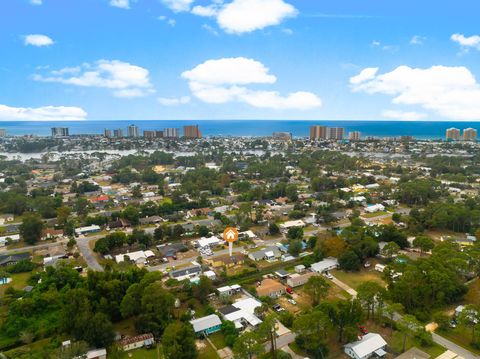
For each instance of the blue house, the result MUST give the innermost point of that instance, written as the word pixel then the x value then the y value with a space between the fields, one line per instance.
pixel 206 325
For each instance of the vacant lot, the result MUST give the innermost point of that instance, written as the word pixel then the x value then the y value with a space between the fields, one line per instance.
pixel 354 279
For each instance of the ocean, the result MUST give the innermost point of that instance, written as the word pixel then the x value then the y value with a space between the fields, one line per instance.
pixel 418 129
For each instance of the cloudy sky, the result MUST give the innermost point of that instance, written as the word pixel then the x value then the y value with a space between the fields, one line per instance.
pixel 239 59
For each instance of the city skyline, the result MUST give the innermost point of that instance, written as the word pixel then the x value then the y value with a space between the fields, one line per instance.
pixel 189 60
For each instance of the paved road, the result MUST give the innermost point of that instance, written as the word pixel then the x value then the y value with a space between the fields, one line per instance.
pixel 464 353
pixel 236 249
pixel 30 248
pixel 88 254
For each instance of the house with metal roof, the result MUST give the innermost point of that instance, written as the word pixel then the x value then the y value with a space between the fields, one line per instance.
pixel 371 345
pixel 325 265
pixel 206 325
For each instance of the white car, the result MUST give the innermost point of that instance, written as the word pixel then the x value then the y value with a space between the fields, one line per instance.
pixel 328 275
pixel 292 301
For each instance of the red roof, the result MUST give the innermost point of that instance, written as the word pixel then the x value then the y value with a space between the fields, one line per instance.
pixel 99 199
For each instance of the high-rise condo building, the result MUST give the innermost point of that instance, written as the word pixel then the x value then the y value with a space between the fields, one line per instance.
pixel 453 134
pixel 132 131
pixel 335 133
pixel 354 135
pixel 3 133
pixel 469 134
pixel 107 133
pixel 149 134
pixel 191 132
pixel 318 132
pixel 159 134
pixel 59 131
pixel 170 132
pixel 118 133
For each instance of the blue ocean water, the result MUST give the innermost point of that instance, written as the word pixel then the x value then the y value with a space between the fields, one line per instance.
pixel 419 129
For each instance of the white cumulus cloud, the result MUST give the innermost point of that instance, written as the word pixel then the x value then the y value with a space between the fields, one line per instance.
pixel 241 16
pixel 225 80
pixel 467 42
pixel 36 2
pixel 451 92
pixel 168 101
pixel 403 115
pixel 126 80
pixel 38 40
pixel 417 40
pixel 45 113
pixel 122 4
pixel 178 5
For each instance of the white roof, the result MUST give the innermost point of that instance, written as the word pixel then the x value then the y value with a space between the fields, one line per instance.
pixel 203 323
pixel 96 353
pixel 13 237
pixel 247 305
pixel 367 345
pixel 324 265
pixel 227 288
pixel 93 227
pixel 297 223
pixel 134 256
pixel 204 242
pixel 249 234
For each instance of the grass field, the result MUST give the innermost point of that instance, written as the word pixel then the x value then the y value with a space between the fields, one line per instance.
pixel 19 281
pixel 218 340
pixel 208 352
pixel 354 279
pixel 473 294
pixel 143 353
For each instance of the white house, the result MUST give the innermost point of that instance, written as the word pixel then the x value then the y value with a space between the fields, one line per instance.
pixel 290 224
pixel 13 238
pixel 370 345
pixel 86 230
pixel 325 265
pixel 139 257
pixel 208 242
pixel 375 208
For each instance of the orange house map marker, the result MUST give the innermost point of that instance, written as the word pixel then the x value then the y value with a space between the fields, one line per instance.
pixel 230 235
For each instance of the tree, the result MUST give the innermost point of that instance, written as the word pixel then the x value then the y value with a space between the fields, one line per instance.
pixel 178 341
pixel 268 331
pixel 344 314
pixel 424 243
pixel 99 331
pixel 248 345
pixel 390 250
pixel 408 325
pixel 273 229
pixel 203 288
pixel 229 332
pixel 470 318
pixel 159 234
pixel 311 330
pixel 349 261
pixel 295 247
pixel 391 311
pixel 31 228
pixel 370 294
pixel 295 233
pixel 157 306
pixel 317 288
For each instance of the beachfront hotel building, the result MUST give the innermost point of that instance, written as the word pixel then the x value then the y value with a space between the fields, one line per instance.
pixel 469 134
pixel 453 134
pixel 191 132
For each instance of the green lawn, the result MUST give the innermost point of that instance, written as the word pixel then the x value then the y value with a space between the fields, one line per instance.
pixel 473 294
pixel 143 353
pixel 461 336
pixel 375 214
pixel 19 281
pixel 396 343
pixel 354 279
pixel 218 340
pixel 208 352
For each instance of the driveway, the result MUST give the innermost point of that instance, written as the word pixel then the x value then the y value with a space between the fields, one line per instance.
pixel 88 254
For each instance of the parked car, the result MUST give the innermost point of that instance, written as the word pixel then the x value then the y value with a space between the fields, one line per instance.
pixel 328 275
pixel 277 308
pixel 289 290
pixel 363 329
pixel 292 301
pixel 366 264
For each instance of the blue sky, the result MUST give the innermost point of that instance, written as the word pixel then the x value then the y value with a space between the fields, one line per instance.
pixel 239 59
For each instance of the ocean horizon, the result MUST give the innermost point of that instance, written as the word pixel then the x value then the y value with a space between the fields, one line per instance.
pixel 255 128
